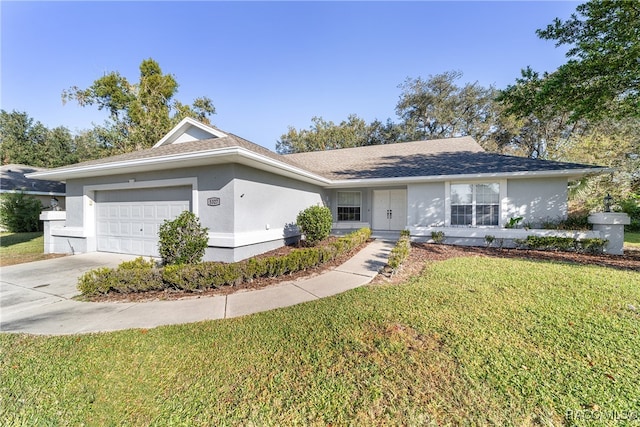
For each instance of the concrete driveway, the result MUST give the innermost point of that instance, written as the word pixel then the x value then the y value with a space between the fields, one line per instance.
pixel 27 289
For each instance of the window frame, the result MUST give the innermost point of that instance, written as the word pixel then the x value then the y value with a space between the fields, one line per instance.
pixel 499 205
pixel 358 215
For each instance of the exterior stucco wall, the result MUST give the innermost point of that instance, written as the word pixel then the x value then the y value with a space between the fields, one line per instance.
pixel 255 210
pixel 426 204
pixel 537 200
pixel 263 201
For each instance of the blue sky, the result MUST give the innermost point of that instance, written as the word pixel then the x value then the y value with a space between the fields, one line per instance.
pixel 267 65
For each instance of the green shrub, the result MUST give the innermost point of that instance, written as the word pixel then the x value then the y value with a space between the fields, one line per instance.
pixel 183 240
pixel 489 239
pixel 513 222
pixel 592 246
pixel 96 281
pixel 139 262
pixel 20 213
pixel 139 275
pixel 575 222
pixel 315 223
pixel 437 237
pixel 579 221
pixel 554 243
pixel 122 280
pixel 631 206
pixel 400 251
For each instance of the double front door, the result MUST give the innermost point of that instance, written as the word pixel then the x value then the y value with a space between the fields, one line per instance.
pixel 389 209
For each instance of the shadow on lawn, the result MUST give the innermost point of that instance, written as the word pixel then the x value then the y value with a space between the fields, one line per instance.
pixel 10 239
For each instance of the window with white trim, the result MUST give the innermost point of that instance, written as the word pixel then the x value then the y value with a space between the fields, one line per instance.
pixel 475 204
pixel 349 205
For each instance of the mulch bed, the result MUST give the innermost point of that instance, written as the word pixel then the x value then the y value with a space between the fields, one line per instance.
pixel 423 253
pixel 261 282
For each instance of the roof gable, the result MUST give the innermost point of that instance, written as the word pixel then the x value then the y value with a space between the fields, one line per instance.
pixel 189 130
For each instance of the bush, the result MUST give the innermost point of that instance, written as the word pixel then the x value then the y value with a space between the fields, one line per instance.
pixel 183 240
pixel 489 239
pixel 631 206
pixel 553 243
pixel 578 221
pixel 437 237
pixel 400 251
pixel 122 280
pixel 592 246
pixel 20 213
pixel 315 223
pixel 140 275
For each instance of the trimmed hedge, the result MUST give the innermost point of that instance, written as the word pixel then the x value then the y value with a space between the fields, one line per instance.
pixel 569 244
pixel 140 275
pixel 400 251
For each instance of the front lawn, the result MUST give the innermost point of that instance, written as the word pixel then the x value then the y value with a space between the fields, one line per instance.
pixel 16 248
pixel 471 340
pixel 632 240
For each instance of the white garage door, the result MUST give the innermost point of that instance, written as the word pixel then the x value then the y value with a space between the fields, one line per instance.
pixel 128 221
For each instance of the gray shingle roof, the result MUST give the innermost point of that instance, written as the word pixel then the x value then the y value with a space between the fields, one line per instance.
pixel 453 156
pixel 13 179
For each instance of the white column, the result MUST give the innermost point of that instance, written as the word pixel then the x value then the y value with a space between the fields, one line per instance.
pixel 51 220
pixel 611 227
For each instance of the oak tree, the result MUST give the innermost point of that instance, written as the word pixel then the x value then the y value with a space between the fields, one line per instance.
pixel 141 113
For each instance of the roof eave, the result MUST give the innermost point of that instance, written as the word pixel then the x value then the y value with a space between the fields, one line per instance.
pixel 34 193
pixel 198 158
pixel 379 182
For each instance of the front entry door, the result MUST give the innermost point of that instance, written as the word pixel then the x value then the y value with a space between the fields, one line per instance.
pixel 389 209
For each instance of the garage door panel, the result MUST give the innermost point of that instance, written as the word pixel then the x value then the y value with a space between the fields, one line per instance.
pixel 163 212
pixel 131 227
pixel 125 212
pixel 149 212
pixel 176 210
pixel 125 228
pixel 149 230
pixel 136 212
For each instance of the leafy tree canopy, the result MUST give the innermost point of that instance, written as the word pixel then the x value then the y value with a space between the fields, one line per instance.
pixel 602 75
pixel 326 135
pixel 29 142
pixel 429 109
pixel 140 114
pixel 439 108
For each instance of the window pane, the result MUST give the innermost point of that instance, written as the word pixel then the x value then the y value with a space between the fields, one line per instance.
pixel 348 198
pixel 461 215
pixel 487 193
pixel 348 213
pixel 486 214
pixel 461 194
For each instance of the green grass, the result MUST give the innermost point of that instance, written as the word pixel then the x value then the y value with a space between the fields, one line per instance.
pixel 21 243
pixel 17 248
pixel 632 240
pixel 471 341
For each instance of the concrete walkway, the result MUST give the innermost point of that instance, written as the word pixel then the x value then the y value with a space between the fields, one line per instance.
pixel 36 297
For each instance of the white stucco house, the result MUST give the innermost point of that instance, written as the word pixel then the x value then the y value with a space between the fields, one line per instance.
pixel 249 196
